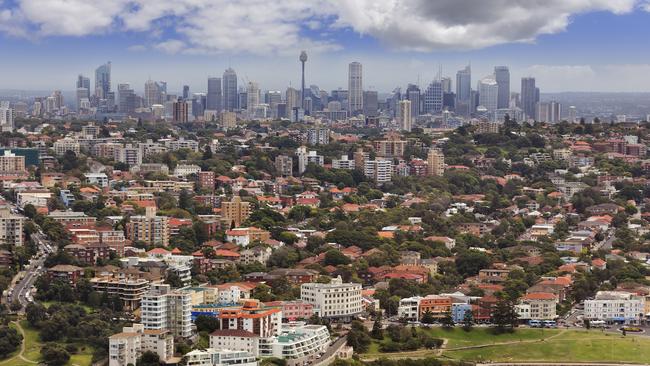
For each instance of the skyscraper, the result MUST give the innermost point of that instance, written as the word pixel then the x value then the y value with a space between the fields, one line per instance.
pixel 528 96
pixel 413 95
pixel 370 103
pixel 126 98
pixel 103 80
pixel 464 84
pixel 230 94
pixel 502 77
pixel 152 93
pixel 355 88
pixel 83 89
pixel 433 97
pixel 214 94
pixel 404 115
pixel 186 91
pixel 488 93
pixel 252 96
pixel 303 59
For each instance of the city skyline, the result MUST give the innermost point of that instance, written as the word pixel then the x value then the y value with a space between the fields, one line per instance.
pixel 589 53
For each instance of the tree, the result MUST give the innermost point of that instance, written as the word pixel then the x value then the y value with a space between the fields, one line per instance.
pixel 377 332
pixel 468 320
pixel 54 355
pixel 10 340
pixel 447 321
pixel 35 313
pixel 207 153
pixel 470 262
pixel 148 358
pixel 30 211
pixel 427 318
pixel 334 257
pixel 358 337
pixel 504 315
pixel 174 280
pixel 206 323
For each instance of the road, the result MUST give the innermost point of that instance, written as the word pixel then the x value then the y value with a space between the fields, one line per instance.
pixel 607 243
pixel 20 291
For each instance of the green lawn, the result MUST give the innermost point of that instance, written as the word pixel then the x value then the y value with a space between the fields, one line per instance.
pixel 530 345
pixel 33 351
pixel 571 346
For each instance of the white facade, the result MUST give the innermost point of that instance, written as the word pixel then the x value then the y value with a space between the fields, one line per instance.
pixel 615 306
pixel 219 357
pixel 355 88
pixel 183 170
pixel 99 179
pixel 404 115
pixel 488 90
pixel 409 308
pixel 66 144
pixel 164 309
pixel 333 300
pixel 126 347
pixel 299 344
pixel 343 163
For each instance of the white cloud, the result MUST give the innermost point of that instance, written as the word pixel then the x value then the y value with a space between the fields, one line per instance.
pixel 262 26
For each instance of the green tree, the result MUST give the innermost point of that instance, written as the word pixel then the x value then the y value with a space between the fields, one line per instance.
pixel 447 321
pixel 504 315
pixel 468 320
pixel 358 337
pixel 54 355
pixel 427 318
pixel 148 358
pixel 377 331
pixel 10 340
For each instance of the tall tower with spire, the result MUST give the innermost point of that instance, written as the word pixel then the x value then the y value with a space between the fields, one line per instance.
pixel 303 59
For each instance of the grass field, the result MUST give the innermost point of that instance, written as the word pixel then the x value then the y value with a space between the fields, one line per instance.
pixel 33 351
pixel 551 345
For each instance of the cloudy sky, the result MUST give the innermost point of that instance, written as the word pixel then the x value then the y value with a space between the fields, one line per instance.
pixel 568 45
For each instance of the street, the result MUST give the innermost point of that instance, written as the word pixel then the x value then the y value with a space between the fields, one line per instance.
pixel 21 290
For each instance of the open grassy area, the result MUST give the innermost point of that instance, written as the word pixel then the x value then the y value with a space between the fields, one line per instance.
pixel 33 351
pixel 570 346
pixel 551 345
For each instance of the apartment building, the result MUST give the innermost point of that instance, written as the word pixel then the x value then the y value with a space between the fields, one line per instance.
pixel 66 144
pixel 126 347
pixel 538 306
pixel 11 163
pixel 219 357
pixel 151 229
pixel 235 212
pixel 409 308
pixel 333 300
pixel 165 309
pixel 436 305
pixel 11 228
pixel 129 289
pixel 614 306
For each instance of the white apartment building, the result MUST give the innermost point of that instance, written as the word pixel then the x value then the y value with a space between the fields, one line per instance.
pixel 298 344
pixel 343 163
pixel 538 306
pixel 379 170
pixel 126 347
pixel 409 308
pixel 164 309
pixel 11 228
pixel 183 170
pixel 129 154
pixel 66 144
pixel 220 357
pixel 333 300
pixel 614 306
pixel 182 144
pixel 99 179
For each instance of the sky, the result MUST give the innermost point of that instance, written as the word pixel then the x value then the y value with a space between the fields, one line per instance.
pixel 567 45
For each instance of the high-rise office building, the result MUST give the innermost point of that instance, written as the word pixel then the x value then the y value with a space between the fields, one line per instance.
pixel 214 96
pixel 464 84
pixel 186 92
pixel 83 89
pixel 252 96
pixel 230 95
pixel 152 93
pixel 502 77
pixel 529 96
pixel 103 81
pixel 433 98
pixel 549 112
pixel 488 93
pixel 370 103
pixel 181 111
pixel 355 88
pixel 446 84
pixel 413 95
pixel 572 114
pixel 404 115
pixel 292 96
pixel 126 98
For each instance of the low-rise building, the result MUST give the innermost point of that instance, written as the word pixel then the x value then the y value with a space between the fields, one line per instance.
pixel 219 357
pixel 615 307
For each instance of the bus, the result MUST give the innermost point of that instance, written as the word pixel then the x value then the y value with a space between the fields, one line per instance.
pixel 597 324
pixel 549 324
pixel 535 323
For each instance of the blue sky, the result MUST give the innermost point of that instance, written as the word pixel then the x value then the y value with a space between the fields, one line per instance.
pixel 568 45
